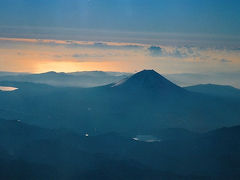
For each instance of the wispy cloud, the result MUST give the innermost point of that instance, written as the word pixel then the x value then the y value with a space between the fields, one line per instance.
pixel 225 61
pixel 78 56
pixel 57 55
pixel 157 51
pixel 71 43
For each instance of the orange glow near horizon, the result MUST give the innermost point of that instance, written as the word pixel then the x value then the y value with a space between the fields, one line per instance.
pixel 76 66
pixel 38 56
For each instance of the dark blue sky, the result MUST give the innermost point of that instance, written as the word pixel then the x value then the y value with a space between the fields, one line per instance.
pixel 179 16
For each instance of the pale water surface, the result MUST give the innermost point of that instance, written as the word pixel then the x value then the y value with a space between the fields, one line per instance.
pixel 6 88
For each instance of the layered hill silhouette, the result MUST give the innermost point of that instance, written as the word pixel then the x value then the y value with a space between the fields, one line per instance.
pixel 78 133
pixel 148 80
pixel 139 104
pixel 215 90
pixel 41 153
pixel 75 79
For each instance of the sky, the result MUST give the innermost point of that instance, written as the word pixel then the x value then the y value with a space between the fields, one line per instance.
pixel 170 36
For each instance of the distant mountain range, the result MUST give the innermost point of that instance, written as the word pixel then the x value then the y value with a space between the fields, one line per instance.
pixel 75 79
pixel 141 127
pixel 99 78
pixel 220 78
pixel 215 90
pixel 139 104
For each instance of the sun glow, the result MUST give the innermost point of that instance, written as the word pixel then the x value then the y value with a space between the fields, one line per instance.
pixel 36 56
pixel 78 66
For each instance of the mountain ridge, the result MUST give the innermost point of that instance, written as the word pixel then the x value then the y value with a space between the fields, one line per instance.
pixel 148 80
pixel 215 90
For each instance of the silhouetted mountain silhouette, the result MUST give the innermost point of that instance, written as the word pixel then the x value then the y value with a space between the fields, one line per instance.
pixel 29 151
pixel 76 79
pixel 140 104
pixel 215 90
pixel 148 80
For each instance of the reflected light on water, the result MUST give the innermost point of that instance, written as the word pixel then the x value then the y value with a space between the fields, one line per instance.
pixel 5 88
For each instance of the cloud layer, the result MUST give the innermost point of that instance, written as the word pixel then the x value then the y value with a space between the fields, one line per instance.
pixel 19 54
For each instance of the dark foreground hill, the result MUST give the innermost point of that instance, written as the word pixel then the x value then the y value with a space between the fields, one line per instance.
pixel 59 154
pixel 140 104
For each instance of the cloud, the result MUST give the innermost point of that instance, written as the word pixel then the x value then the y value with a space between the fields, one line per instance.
pixel 115 45
pixel 100 51
pixel 236 49
pixel 57 56
pixel 74 44
pixel 78 56
pixel 155 51
pixel 178 53
pixel 20 54
pixel 225 61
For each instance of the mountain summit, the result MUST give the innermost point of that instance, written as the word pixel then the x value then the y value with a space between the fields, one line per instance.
pixel 148 80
